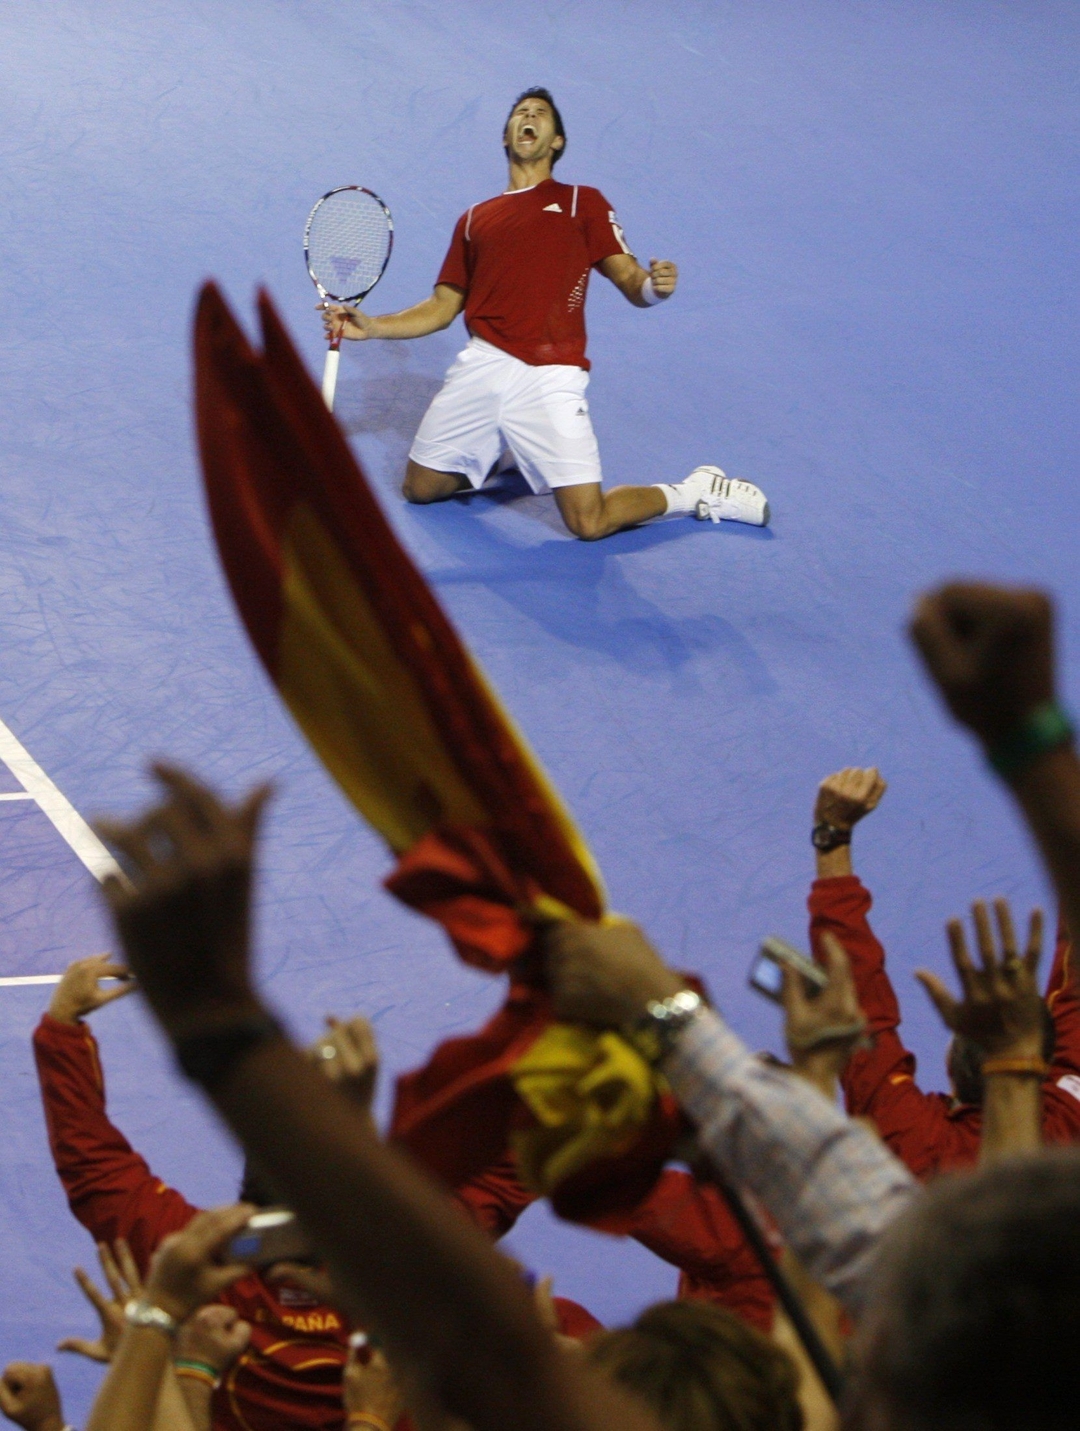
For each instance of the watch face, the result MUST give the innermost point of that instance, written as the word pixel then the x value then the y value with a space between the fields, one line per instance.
pixel 827 837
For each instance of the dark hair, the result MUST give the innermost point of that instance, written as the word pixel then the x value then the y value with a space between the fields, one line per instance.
pixel 702 1368
pixel 539 92
pixel 975 1314
pixel 966 1059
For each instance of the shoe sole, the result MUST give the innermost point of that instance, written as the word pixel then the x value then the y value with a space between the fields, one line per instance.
pixel 702 513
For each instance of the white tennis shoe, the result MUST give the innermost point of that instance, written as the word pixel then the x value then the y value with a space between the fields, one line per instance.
pixel 720 498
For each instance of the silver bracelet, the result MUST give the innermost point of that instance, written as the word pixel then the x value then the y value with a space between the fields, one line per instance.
pixel 141 1313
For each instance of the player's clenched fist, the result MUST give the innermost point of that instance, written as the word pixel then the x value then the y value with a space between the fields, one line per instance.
pixel 341 321
pixel 664 277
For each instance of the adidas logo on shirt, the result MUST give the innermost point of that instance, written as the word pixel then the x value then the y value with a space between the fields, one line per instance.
pixel 552 209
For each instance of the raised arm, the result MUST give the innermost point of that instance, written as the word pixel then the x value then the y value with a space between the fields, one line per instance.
pixel 630 278
pixel 429 316
pixel 830 1184
pixel 449 1310
pixel 990 652
pixel 109 1187
pixel 188 1270
pixel 1001 1012
pixel 879 1080
pixel 822 1032
pixel 839 904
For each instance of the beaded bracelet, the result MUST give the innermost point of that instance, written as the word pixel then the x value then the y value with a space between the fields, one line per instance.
pixel 1027 1067
pixel 1046 728
pixel 197 1371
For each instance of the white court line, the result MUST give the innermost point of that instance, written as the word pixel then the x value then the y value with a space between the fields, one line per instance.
pixel 56 806
pixel 70 824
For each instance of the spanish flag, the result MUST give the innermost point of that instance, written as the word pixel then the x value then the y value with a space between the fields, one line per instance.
pixel 386 692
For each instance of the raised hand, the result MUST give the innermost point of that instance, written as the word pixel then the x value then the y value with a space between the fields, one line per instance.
pixel 124 1282
pixel 349 1056
pixel 604 974
pixel 80 991
pixel 342 321
pixel 1000 1008
pixel 848 796
pixel 990 650
pixel 183 918
pixel 548 1312
pixel 215 1336
pixel 822 1032
pixel 188 1269
pixel 369 1388
pixel 28 1396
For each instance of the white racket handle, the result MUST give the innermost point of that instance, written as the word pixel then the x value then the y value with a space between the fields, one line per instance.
pixel 329 376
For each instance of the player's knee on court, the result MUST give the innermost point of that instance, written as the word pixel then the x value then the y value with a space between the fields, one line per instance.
pixel 588 526
pixel 582 510
pixel 411 490
pixel 423 484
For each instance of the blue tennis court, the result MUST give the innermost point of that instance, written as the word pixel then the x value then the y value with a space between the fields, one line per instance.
pixel 874 211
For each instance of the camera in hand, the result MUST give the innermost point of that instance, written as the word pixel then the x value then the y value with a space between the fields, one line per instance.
pixel 767 971
pixel 271 1235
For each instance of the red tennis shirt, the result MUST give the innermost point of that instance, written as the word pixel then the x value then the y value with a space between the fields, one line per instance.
pixel 523 259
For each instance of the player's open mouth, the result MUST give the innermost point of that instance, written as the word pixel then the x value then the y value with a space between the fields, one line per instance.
pixel 527 132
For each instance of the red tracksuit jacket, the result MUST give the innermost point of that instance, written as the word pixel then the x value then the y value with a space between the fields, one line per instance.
pixel 924 1129
pixel 684 1222
pixel 290 1376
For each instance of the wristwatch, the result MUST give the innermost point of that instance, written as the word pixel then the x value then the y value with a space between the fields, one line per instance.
pixel 654 1034
pixel 825 837
pixel 141 1313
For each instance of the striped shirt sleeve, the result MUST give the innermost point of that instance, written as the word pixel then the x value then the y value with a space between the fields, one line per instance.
pixel 831 1185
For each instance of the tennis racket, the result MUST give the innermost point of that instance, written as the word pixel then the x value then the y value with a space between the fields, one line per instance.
pixel 348 239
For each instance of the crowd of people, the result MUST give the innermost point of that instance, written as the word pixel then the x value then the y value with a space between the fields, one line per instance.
pixel 916 1260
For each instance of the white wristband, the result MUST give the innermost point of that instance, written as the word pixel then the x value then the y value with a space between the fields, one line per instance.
pixel 649 294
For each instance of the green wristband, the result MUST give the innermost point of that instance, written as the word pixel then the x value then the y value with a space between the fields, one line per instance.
pixel 1047 728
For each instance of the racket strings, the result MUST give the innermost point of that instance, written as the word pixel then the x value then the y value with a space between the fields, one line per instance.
pixel 348 244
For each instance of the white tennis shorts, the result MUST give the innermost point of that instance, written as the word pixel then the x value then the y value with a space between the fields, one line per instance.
pixel 491 400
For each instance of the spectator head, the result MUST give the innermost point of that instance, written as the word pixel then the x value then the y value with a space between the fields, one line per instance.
pixel 701 1368
pixel 975 1317
pixel 965 1060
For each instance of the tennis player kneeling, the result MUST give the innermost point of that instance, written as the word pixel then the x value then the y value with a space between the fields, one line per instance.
pixel 519 267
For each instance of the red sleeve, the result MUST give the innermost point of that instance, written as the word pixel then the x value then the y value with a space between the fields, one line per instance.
pixel 109 1187
pixel 495 1198
pixel 456 269
pixel 689 1224
pixel 574 1320
pixel 603 233
pixel 1061 1092
pixel 1063 1001
pixel 879 1083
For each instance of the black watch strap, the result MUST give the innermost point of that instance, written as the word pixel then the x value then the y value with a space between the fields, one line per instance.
pixel 207 1057
pixel 825 837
